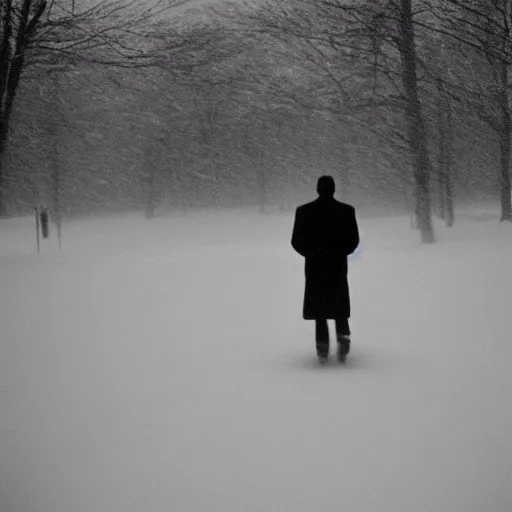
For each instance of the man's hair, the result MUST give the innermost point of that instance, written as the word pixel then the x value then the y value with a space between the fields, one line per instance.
pixel 325 186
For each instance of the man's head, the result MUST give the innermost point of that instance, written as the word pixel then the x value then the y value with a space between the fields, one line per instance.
pixel 325 186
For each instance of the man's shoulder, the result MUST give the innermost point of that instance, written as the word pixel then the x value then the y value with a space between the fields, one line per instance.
pixel 313 205
pixel 306 207
pixel 344 206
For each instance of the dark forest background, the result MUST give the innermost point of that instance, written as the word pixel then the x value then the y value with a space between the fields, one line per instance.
pixel 404 102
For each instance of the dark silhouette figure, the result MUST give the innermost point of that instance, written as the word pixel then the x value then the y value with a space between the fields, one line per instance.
pixel 325 233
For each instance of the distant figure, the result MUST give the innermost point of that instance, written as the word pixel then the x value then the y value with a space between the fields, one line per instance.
pixel 325 233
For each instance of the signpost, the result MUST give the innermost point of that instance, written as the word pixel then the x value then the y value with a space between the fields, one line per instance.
pixel 43 226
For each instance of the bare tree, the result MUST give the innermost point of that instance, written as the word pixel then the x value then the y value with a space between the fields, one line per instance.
pixel 366 50
pixel 486 28
pixel 62 33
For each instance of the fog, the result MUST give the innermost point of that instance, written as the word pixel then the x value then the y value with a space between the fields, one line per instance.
pixel 153 352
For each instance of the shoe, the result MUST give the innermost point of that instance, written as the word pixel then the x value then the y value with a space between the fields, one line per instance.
pixel 322 360
pixel 343 348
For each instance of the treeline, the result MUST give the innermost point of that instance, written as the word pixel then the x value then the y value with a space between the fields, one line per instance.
pixel 405 102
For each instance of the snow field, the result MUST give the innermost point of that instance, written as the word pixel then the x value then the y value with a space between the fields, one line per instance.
pixel 164 366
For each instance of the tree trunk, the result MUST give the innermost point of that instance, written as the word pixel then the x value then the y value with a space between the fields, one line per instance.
pixel 56 121
pixel 2 195
pixel 449 213
pixel 441 156
pixel 441 186
pixel 19 23
pixel 445 130
pixel 505 141
pixel 8 91
pixel 5 57
pixel 416 126
pixel 56 203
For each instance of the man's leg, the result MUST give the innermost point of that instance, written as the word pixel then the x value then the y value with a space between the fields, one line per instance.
pixel 343 337
pixel 342 328
pixel 322 337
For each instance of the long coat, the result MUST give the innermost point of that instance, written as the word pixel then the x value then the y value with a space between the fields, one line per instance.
pixel 325 233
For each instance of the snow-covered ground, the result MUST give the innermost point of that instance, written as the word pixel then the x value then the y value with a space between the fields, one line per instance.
pixel 164 366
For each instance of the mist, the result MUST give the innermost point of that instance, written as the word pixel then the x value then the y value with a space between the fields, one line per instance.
pixel 153 351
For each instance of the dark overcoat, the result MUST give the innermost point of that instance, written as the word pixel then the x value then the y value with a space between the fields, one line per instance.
pixel 325 232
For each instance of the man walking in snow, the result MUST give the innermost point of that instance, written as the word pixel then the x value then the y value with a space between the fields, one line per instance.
pixel 325 233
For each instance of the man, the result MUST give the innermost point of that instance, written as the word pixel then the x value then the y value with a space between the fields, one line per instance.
pixel 325 233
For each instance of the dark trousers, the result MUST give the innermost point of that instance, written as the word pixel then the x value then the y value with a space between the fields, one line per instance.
pixel 322 333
